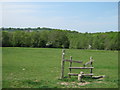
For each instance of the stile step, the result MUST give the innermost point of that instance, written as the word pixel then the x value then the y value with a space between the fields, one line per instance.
pixel 81 67
pixel 76 74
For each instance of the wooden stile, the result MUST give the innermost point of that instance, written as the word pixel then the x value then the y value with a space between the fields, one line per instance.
pixel 81 74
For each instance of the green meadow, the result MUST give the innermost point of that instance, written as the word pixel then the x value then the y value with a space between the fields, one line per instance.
pixel 41 68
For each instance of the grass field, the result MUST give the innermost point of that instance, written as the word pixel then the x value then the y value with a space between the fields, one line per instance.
pixel 41 67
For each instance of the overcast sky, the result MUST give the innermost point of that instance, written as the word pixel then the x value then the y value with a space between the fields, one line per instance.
pixel 79 16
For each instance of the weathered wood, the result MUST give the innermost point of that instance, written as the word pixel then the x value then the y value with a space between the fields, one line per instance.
pixel 81 67
pixel 70 65
pixel 89 62
pixel 73 74
pixel 91 59
pixel 62 64
pixel 88 74
pixel 76 74
pixel 80 76
pixel 73 61
pixel 91 69
pixel 97 77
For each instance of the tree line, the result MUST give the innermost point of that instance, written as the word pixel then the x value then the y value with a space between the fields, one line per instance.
pixel 56 38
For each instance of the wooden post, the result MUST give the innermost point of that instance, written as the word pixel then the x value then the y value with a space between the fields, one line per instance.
pixel 80 76
pixel 91 64
pixel 70 65
pixel 62 64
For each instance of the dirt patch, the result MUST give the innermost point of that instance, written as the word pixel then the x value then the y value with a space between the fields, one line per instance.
pixel 82 84
pixel 99 82
pixel 74 83
pixel 64 83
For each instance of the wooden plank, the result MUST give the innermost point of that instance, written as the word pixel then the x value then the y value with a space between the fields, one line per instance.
pixel 88 63
pixel 81 67
pixel 97 77
pixel 73 74
pixel 73 61
pixel 76 74
pixel 88 74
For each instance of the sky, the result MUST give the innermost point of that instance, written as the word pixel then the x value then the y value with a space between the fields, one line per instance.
pixel 78 16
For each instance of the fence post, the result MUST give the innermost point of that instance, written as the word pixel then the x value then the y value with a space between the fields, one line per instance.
pixel 80 76
pixel 91 64
pixel 62 64
pixel 70 65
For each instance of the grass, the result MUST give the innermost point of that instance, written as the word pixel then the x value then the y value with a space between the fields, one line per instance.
pixel 41 68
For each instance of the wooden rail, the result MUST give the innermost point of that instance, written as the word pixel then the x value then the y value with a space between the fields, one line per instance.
pixel 88 63
pixel 81 67
pixel 76 74
pixel 73 61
